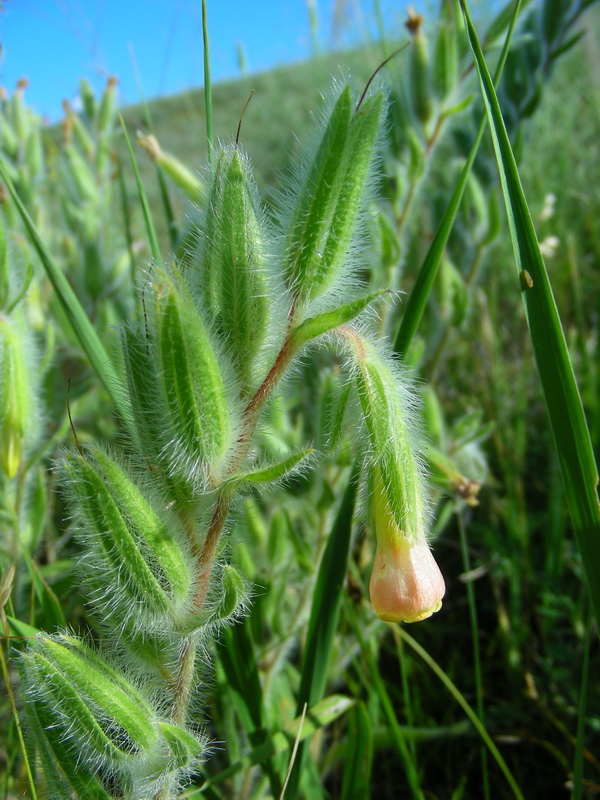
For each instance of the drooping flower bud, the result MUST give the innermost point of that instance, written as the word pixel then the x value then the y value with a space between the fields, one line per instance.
pixel 406 583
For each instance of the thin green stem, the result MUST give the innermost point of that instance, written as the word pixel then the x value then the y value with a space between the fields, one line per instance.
pixel 207 84
pixel 464 547
pixel 471 714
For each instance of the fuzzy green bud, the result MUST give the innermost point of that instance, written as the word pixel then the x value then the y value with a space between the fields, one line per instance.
pixel 4 271
pixel 188 182
pixel 111 514
pixel 108 103
pixel 235 261
pixel 191 381
pixel 88 99
pixel 326 211
pixel 19 113
pixel 420 70
pixel 445 65
pixel 34 155
pixel 87 701
pixel 81 175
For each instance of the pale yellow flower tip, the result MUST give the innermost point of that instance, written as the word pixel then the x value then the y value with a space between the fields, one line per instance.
pixel 406 584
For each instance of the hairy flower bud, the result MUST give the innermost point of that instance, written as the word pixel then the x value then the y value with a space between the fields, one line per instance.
pixel 406 583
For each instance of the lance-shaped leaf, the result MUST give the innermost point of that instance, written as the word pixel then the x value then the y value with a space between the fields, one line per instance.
pixel 315 326
pixel 109 536
pixel 273 472
pixel 191 379
pixel 565 410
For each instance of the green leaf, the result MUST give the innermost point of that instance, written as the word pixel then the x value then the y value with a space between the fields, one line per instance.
pixel 150 230
pixel 565 410
pixel 322 323
pixel 273 472
pixel 358 759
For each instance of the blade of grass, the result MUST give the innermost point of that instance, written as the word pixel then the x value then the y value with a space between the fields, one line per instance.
pixel 375 680
pixel 419 295
pixel 471 714
pixel 150 230
pixel 475 643
pixel 324 614
pixel 565 410
pixel 236 652
pixel 78 319
pixel 207 84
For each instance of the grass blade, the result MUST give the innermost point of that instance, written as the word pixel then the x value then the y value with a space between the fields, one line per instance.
pixel 565 410
pixel 324 613
pixel 87 336
pixel 459 697
pixel 152 238
pixel 419 295
pixel 210 137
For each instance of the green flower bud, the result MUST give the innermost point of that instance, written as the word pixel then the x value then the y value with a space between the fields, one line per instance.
pixel 326 211
pixel 421 93
pixel 86 702
pixel 191 381
pixel 108 103
pixel 126 540
pixel 88 99
pixel 243 291
pixel 445 65
pixel 188 182
pixel 82 178
pixel 19 113
pixel 4 270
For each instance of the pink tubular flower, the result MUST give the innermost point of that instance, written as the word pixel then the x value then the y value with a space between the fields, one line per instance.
pixel 406 584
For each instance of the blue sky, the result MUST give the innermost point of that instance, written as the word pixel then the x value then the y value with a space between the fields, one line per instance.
pixel 54 43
